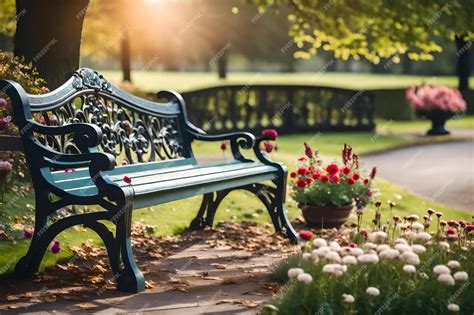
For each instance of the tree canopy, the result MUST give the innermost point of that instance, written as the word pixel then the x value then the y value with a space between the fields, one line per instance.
pixel 375 29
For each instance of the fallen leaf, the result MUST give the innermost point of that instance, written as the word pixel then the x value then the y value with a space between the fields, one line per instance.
pixel 86 306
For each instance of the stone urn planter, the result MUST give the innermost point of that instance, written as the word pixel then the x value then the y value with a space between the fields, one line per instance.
pixel 438 121
pixel 325 216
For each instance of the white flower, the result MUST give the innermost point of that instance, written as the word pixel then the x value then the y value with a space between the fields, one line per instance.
pixel 389 254
pixel 419 249
pixel 369 258
pixel 446 279
pixel 347 298
pixel 401 241
pixel 444 245
pixel 423 236
pixel 323 251
pixel 409 235
pixel 306 256
pixel 417 226
pixel 424 275
pixel 357 251
pixel 294 272
pixel 304 278
pixel 349 260
pixel 372 291
pixel 409 269
pixel 454 264
pixel 410 258
pixel 403 248
pixel 440 269
pixel 369 245
pixel 461 276
pixel 333 256
pixel 319 242
pixel 377 237
pixel 383 247
pixel 335 269
pixel 315 254
pixel 453 307
pixel 334 246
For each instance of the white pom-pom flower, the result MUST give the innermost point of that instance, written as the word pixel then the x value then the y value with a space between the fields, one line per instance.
pixel 453 264
pixel 306 256
pixel 349 260
pixel 372 291
pixel 401 241
pixel 419 249
pixel 383 247
pixel 389 254
pixel 368 258
pixel 461 276
pixel 417 226
pixel 423 236
pixel 453 307
pixel 378 236
pixel 333 256
pixel 441 269
pixel 447 279
pixel 403 248
pixel 294 272
pixel 410 258
pixel 319 242
pixel 409 269
pixel 334 246
pixel 304 278
pixel 357 251
pixel 347 298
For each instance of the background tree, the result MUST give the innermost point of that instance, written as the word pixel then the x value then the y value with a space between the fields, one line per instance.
pixel 380 29
pixel 48 34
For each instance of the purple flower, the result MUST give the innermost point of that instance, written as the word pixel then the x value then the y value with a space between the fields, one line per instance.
pixel 27 234
pixel 55 248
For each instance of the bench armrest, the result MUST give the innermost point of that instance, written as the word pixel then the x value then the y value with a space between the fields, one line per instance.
pixel 85 135
pixel 244 140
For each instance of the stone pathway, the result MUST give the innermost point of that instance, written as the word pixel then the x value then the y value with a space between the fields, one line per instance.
pixel 443 172
pixel 199 279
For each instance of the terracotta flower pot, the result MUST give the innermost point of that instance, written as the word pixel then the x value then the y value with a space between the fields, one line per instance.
pixel 325 216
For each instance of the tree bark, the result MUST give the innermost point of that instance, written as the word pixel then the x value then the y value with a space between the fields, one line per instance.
pixel 48 34
pixel 463 63
pixel 125 56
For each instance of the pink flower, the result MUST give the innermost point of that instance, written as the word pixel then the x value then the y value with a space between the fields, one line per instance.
pixel 55 248
pixel 272 134
pixel 268 146
pixel 5 166
pixel 127 179
pixel 3 102
pixel 306 235
pixel 431 97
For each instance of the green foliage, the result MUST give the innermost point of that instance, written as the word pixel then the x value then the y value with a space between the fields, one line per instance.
pixel 375 29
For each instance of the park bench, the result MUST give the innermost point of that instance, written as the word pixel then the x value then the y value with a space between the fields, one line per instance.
pixel 91 143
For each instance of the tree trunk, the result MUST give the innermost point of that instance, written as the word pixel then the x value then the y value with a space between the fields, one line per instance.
pixel 48 34
pixel 222 66
pixel 463 65
pixel 125 56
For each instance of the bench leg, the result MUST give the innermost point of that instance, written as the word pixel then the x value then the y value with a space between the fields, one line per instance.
pixel 278 206
pixel 207 211
pixel 129 277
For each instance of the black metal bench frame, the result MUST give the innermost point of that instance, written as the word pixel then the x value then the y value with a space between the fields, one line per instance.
pixel 87 124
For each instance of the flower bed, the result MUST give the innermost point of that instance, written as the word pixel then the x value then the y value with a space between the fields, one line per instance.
pixel 402 268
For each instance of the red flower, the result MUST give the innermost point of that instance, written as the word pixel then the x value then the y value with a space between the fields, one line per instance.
pixel 443 223
pixel 366 181
pixel 353 245
pixel 356 176
pixel 272 134
pixel 439 214
pixel 302 158
pixel 346 170
pixel 306 235
pixel 364 233
pixel 369 193
pixel 335 179
pixel 301 183
pixel 374 171
pixel 309 181
pixel 308 151
pixel 223 146
pixel 452 223
pixel 315 175
pixel 127 179
pixel 324 179
pixel 332 169
pixel 293 174
pixel 469 228
pixel 302 171
pixel 311 168
pixel 268 147
pixel 431 211
pixel 451 231
pixel 351 181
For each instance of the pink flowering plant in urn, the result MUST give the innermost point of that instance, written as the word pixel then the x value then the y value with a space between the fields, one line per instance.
pixel 437 103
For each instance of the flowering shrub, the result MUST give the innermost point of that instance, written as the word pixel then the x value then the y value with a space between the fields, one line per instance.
pixel 402 268
pixel 432 97
pixel 332 185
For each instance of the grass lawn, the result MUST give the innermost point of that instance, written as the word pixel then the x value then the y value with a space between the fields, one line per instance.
pixel 152 81
pixel 174 217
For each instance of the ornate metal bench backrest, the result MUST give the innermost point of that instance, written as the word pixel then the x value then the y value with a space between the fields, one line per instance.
pixel 134 130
